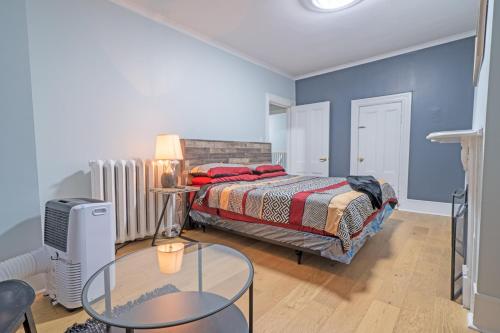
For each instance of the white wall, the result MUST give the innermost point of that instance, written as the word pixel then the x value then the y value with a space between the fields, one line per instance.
pixel 481 90
pixel 487 299
pixel 106 81
pixel 20 229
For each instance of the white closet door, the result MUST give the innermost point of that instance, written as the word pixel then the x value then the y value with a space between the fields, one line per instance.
pixel 379 141
pixel 310 139
pixel 368 145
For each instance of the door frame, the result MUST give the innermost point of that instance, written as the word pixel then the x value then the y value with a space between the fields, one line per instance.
pixel 404 157
pixel 283 102
pixel 276 100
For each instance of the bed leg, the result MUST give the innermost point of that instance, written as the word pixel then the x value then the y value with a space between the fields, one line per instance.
pixel 204 228
pixel 299 256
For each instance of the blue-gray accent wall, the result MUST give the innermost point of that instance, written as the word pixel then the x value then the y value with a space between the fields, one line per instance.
pixel 440 79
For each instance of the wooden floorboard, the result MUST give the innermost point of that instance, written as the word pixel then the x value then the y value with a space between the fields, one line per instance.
pixel 397 283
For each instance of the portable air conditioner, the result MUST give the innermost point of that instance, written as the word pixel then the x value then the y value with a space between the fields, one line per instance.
pixel 79 236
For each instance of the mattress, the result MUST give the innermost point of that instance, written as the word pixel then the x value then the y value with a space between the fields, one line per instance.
pixel 325 206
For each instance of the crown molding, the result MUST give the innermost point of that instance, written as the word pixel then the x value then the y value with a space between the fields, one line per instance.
pixel 130 5
pixel 422 46
pixel 163 21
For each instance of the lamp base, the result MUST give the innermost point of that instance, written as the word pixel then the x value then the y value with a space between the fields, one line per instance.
pixel 168 180
pixel 169 173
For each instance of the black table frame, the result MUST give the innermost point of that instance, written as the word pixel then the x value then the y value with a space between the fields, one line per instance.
pixel 186 217
pixel 24 316
pixel 249 288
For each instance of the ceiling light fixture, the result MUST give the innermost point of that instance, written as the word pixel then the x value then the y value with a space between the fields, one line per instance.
pixel 328 6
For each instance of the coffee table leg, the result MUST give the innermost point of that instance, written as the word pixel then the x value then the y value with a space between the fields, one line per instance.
pixel 200 269
pixel 29 323
pixel 250 309
pixel 107 291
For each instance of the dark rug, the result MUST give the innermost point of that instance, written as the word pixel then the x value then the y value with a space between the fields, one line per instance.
pixel 95 326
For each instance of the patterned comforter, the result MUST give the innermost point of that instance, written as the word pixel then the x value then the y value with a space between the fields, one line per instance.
pixel 326 206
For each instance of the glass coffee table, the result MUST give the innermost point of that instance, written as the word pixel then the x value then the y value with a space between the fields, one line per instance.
pixel 181 287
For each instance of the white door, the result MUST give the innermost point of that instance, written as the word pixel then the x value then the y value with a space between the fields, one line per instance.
pixel 380 139
pixel 309 139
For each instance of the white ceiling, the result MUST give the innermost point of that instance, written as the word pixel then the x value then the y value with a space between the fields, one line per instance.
pixel 284 36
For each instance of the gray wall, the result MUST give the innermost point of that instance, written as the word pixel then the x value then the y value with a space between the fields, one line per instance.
pixel 106 81
pixel 440 78
pixel 20 228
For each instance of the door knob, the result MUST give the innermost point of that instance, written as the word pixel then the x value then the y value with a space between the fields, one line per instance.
pixel 361 159
pixel 323 159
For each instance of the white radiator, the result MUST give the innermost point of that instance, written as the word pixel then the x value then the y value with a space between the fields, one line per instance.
pixel 126 184
pixel 279 158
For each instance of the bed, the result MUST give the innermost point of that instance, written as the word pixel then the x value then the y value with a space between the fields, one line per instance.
pixel 319 215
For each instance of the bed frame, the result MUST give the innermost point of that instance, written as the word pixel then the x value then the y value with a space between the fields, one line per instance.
pixel 197 152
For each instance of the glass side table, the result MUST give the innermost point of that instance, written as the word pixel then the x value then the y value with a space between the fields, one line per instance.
pixel 135 292
pixel 169 192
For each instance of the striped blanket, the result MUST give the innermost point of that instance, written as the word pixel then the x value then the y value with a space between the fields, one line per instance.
pixel 326 206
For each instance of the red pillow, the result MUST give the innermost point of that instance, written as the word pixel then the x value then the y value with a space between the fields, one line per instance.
pixel 272 174
pixel 245 177
pixel 228 171
pixel 200 181
pixel 267 168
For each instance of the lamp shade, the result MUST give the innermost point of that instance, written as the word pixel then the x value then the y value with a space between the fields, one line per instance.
pixel 168 147
pixel 170 257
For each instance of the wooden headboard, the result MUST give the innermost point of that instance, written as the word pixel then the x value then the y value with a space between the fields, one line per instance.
pixel 197 152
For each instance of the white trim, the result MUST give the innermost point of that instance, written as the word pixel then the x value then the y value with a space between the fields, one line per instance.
pixel 191 33
pixel 276 100
pixel 485 315
pixel 454 136
pixel 389 54
pixel 284 102
pixel 470 322
pixel 425 207
pixel 406 105
pixel 470 314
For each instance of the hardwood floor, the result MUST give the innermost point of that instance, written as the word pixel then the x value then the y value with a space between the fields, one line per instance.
pixel 397 283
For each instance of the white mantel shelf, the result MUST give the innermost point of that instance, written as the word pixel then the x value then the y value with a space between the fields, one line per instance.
pixel 454 136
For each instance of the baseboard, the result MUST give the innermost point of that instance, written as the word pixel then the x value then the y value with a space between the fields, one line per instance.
pixel 466 290
pixel 486 313
pixel 426 207
pixel 470 322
